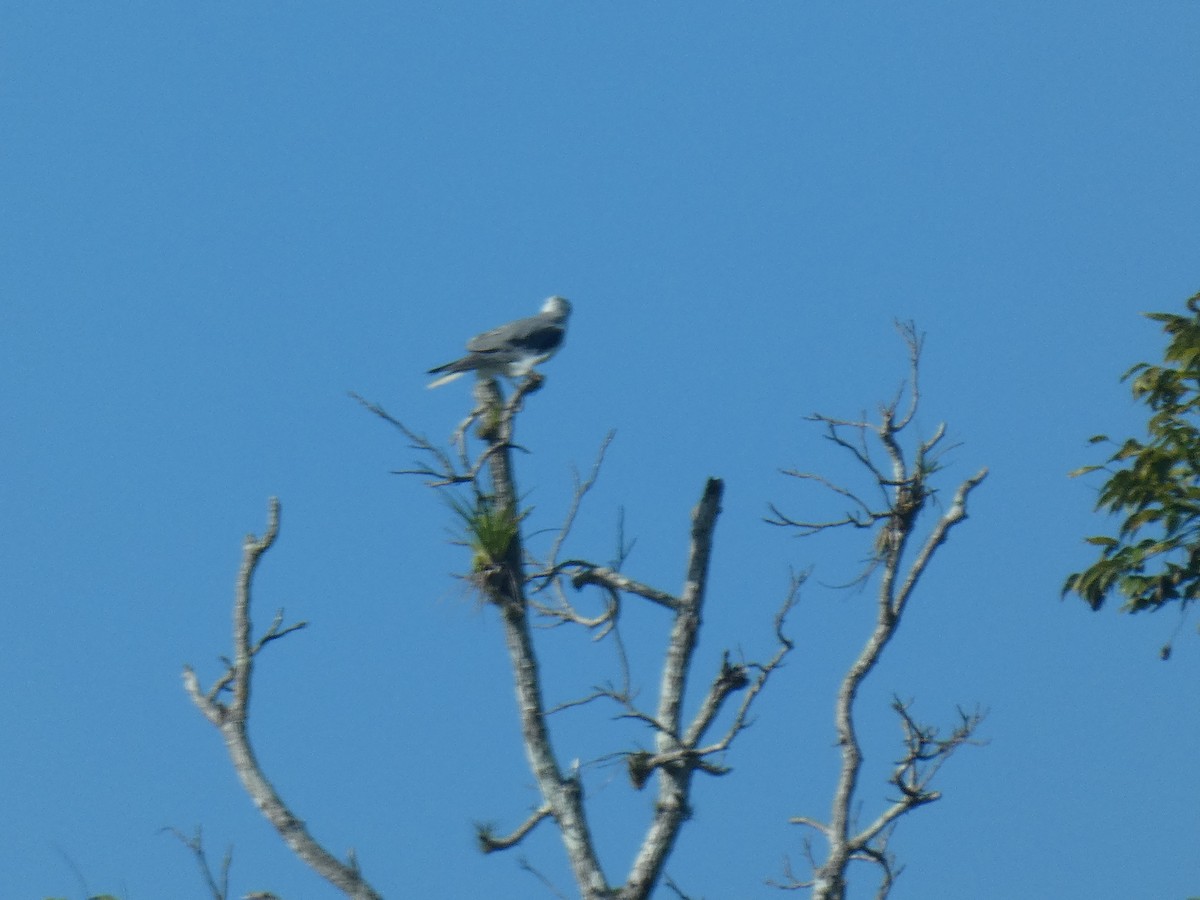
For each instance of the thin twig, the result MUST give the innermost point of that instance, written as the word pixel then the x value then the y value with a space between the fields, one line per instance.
pixel 219 890
pixel 581 491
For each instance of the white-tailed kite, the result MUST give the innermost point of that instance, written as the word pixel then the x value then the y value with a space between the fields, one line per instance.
pixel 512 349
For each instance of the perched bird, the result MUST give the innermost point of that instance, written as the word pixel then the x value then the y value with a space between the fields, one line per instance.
pixel 512 349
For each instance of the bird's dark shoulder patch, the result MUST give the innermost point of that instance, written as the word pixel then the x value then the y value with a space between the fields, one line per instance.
pixel 545 338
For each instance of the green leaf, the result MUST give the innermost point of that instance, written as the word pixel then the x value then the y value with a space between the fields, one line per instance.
pixel 1139 519
pixel 1130 448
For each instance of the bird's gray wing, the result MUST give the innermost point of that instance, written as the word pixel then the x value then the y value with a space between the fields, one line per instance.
pixel 535 334
pixel 508 343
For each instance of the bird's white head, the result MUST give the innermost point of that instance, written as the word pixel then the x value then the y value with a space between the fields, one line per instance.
pixel 559 307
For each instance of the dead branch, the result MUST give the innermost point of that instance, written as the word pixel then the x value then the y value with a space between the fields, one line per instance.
pixel 195 843
pixel 676 889
pixel 675 761
pixel 601 693
pixel 565 613
pixel 582 488
pixel 446 471
pixel 562 793
pixel 905 490
pixel 588 573
pixel 489 842
pixel 232 720
pixel 924 754
pixel 526 866
pixel 916 343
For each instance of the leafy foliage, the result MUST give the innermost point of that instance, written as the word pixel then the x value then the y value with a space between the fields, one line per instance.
pixel 1154 484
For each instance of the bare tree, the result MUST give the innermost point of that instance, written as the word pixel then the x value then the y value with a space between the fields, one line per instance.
pixel 902 491
pixel 523 588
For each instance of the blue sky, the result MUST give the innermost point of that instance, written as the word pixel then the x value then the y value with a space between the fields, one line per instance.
pixel 217 219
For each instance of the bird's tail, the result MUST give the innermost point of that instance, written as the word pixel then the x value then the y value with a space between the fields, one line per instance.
pixel 446 379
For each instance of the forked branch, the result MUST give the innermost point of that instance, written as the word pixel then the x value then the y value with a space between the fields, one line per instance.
pixel 232 719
